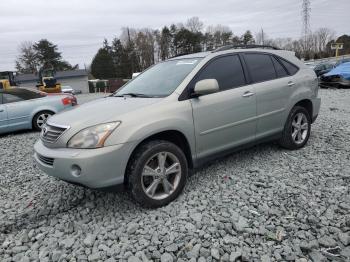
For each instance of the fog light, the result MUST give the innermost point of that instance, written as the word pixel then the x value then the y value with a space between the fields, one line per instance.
pixel 75 170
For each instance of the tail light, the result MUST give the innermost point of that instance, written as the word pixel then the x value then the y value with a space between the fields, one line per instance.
pixel 69 101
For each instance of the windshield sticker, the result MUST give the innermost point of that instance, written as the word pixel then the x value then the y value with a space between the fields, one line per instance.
pixel 186 62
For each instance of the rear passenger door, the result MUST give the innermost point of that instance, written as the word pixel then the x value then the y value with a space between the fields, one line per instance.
pixel 226 118
pixel 273 86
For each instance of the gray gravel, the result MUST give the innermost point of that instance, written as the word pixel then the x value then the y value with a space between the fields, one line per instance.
pixel 261 204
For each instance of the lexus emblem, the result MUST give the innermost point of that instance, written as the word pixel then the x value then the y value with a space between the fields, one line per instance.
pixel 45 131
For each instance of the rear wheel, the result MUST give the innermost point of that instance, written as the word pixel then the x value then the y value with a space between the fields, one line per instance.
pixel 157 173
pixel 297 129
pixel 40 119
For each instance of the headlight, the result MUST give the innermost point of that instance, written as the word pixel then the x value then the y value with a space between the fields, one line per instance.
pixel 92 137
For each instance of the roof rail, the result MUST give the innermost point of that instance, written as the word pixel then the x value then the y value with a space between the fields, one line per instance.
pixel 228 47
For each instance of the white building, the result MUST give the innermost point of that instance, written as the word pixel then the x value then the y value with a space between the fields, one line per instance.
pixel 76 79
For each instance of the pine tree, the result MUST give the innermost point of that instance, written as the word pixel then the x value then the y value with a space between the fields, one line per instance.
pixel 102 66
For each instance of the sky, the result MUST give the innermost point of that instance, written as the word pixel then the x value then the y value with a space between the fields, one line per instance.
pixel 78 27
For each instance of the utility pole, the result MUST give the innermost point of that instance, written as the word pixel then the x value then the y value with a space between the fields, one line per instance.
pixel 305 11
pixel 262 36
pixel 131 51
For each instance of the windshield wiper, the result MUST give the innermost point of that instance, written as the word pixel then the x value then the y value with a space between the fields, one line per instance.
pixel 131 94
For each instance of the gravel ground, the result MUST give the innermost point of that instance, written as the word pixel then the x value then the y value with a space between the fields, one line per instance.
pixel 261 204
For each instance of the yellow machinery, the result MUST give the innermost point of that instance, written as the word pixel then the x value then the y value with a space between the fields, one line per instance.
pixel 7 80
pixel 48 82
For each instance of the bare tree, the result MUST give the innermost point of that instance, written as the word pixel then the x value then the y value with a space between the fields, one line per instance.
pixel 27 61
pixel 323 36
pixel 194 24
pixel 261 37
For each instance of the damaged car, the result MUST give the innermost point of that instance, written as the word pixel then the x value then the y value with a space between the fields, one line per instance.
pixel 337 78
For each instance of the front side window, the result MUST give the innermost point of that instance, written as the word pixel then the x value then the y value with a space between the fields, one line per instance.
pixel 160 80
pixel 8 98
pixel 260 67
pixel 226 70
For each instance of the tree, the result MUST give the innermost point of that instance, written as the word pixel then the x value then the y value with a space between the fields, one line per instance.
pixel 47 54
pixel 247 38
pixel 187 42
pixel 165 43
pixel 194 24
pixel 145 48
pixel 102 66
pixel 27 61
pixel 261 37
pixel 217 36
pixel 119 58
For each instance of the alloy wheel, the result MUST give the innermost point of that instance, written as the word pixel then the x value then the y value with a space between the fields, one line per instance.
pixel 161 175
pixel 41 120
pixel 300 128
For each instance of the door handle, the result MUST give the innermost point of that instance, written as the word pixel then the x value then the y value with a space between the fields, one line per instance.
pixel 290 83
pixel 1 110
pixel 248 94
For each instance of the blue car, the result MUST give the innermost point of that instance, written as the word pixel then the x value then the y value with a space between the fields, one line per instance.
pixel 337 77
pixel 22 108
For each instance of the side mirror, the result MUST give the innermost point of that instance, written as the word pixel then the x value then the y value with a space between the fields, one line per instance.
pixel 206 86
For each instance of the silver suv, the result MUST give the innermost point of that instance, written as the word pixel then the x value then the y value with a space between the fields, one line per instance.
pixel 176 116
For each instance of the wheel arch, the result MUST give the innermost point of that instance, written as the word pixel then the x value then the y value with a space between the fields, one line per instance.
pixel 173 136
pixel 307 104
pixel 36 112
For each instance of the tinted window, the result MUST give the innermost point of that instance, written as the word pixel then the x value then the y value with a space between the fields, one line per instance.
pixel 25 94
pixel 280 71
pixel 260 67
pixel 8 98
pixel 292 69
pixel 226 70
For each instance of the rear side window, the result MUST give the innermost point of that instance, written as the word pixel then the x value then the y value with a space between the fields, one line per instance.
pixel 26 94
pixel 8 98
pixel 280 71
pixel 260 67
pixel 226 70
pixel 292 69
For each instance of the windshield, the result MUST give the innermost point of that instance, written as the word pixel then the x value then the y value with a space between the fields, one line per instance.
pixel 160 80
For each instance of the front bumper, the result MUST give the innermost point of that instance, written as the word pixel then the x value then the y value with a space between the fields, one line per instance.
pixel 100 168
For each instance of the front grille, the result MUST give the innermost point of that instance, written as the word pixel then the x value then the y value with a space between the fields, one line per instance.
pixel 46 160
pixel 50 133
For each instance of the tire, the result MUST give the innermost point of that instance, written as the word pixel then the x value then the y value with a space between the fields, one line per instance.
pixel 141 178
pixel 40 118
pixel 288 139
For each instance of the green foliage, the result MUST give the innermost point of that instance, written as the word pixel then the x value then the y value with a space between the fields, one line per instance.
pixel 102 66
pixel 42 54
pixel 187 42
pixel 47 53
pixel 247 38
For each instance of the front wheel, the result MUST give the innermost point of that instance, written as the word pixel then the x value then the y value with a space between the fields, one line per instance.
pixel 40 119
pixel 297 129
pixel 157 173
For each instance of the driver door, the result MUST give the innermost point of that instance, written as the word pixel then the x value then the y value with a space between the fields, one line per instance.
pixel 225 119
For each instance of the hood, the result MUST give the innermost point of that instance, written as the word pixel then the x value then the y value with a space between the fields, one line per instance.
pixel 99 111
pixel 342 70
